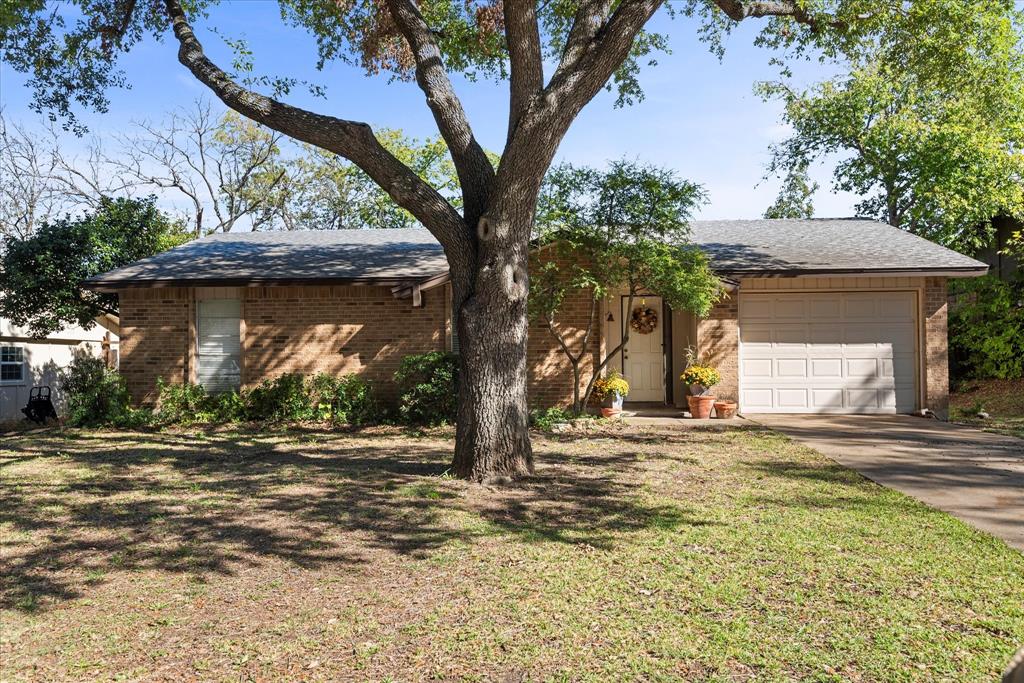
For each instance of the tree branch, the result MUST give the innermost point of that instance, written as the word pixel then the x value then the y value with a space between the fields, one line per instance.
pixel 527 73
pixel 473 167
pixel 352 140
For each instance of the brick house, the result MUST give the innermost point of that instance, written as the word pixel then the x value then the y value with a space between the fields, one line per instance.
pixel 823 315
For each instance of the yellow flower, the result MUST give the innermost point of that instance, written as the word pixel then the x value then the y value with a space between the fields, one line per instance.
pixel 702 375
pixel 614 383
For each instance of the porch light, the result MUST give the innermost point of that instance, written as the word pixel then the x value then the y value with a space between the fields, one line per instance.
pixel 611 318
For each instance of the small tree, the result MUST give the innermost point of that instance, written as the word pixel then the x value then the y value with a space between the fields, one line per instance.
pixel 622 229
pixel 41 275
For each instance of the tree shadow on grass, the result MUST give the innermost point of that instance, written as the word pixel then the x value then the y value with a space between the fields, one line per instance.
pixel 82 504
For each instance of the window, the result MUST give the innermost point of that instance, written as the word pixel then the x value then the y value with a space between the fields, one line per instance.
pixel 12 364
pixel 219 344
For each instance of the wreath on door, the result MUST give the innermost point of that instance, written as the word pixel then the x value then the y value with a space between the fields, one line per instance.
pixel 644 320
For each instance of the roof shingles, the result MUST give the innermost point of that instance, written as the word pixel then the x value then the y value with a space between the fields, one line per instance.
pixel 404 256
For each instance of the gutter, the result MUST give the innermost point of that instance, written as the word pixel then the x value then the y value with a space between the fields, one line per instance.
pixel 972 271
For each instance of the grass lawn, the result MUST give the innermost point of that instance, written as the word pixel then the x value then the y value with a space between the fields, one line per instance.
pixel 302 555
pixel 1002 399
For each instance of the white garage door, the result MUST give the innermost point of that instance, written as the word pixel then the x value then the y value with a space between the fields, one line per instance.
pixel 827 352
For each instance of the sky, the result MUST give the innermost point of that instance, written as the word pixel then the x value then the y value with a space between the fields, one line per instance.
pixel 700 116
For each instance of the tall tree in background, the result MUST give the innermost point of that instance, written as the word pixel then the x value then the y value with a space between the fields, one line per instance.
pixel 41 274
pixel 590 43
pixel 226 163
pixel 796 196
pixel 938 152
pixel 324 191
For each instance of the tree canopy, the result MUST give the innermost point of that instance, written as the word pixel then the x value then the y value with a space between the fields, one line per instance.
pixel 41 275
pixel 938 151
pixel 620 230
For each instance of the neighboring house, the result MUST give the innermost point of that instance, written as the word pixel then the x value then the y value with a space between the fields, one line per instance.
pixel 27 361
pixel 823 315
pixel 1002 264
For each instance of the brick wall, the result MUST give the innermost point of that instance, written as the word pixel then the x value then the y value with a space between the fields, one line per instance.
pixel 154 338
pixel 550 372
pixel 936 309
pixel 339 330
pixel 718 343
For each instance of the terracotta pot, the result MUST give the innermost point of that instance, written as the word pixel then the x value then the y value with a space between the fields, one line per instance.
pixel 700 406
pixel 610 412
pixel 725 410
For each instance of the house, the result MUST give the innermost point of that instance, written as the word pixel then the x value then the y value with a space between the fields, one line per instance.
pixel 823 315
pixel 27 361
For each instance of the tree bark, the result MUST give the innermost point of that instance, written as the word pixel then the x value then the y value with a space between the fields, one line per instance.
pixel 492 441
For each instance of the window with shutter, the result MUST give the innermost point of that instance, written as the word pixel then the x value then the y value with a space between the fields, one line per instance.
pixel 219 347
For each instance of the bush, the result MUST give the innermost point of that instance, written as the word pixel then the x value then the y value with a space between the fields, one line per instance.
pixel 428 388
pixel 986 329
pixel 191 404
pixel 282 399
pixel 96 396
pixel 347 399
pixel 288 398
pixel 545 419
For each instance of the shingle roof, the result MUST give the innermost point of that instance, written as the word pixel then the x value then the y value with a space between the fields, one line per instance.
pixel 397 257
pixel 822 245
pixel 388 257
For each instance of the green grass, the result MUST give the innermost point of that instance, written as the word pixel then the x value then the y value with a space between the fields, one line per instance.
pixel 631 555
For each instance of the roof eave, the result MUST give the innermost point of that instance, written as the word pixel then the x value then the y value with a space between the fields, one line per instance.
pixel 881 272
pixel 113 286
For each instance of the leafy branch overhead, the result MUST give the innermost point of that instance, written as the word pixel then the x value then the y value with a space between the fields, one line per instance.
pixel 605 233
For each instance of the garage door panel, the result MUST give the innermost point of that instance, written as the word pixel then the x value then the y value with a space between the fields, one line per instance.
pixel 825 307
pixel 754 309
pixel 793 398
pixel 791 367
pixel 758 367
pixel 790 308
pixel 827 398
pixel 828 352
pixel 827 368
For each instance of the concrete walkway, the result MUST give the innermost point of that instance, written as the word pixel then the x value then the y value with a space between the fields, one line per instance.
pixel 974 475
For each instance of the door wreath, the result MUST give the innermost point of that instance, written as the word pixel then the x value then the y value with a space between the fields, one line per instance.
pixel 644 319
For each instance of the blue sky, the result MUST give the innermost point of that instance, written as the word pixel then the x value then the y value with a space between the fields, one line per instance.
pixel 700 115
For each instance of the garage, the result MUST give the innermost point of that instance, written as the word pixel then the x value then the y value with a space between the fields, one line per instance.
pixel 828 352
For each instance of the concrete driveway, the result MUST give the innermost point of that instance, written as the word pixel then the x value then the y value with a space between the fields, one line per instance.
pixel 974 475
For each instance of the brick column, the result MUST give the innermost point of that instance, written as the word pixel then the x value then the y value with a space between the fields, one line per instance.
pixel 936 346
pixel 718 342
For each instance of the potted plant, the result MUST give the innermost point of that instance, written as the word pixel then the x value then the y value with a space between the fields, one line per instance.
pixel 700 377
pixel 611 389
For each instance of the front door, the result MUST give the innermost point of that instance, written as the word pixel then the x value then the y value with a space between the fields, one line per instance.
pixel 643 359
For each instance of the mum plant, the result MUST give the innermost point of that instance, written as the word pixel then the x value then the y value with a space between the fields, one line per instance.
pixel 614 384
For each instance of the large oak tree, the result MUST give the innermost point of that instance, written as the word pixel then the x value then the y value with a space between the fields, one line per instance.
pixel 589 43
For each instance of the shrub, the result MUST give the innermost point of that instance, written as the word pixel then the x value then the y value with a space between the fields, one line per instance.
pixel 96 396
pixel 545 419
pixel 191 404
pixel 284 398
pixel 347 399
pixel 986 329
pixel 428 388
pixel 180 403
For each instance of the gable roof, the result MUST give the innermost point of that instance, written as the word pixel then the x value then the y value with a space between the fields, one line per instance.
pixel 402 257
pixel 823 245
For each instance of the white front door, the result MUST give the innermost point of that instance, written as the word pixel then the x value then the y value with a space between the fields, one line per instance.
pixel 643 359
pixel 827 352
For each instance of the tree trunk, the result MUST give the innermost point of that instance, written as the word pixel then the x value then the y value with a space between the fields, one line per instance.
pixel 492 433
